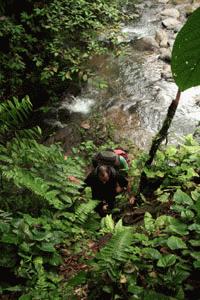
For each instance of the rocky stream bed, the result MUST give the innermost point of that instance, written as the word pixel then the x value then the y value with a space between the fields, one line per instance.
pixel 138 85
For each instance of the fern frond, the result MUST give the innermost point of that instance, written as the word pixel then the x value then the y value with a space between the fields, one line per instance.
pixel 13 113
pixel 24 178
pixel 30 167
pixel 40 170
pixel 107 224
pixel 115 252
pixel 84 209
pixel 33 133
pixel 5 216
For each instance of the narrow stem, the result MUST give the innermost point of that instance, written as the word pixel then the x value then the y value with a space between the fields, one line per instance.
pixel 160 136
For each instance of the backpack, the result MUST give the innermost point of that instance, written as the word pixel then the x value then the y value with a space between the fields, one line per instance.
pixel 121 152
pixel 108 157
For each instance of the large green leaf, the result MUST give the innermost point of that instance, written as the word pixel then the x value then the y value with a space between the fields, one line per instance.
pixel 186 53
pixel 177 227
pixel 47 247
pixel 182 198
pixel 149 222
pixel 196 255
pixel 151 253
pixel 10 238
pixel 195 227
pixel 195 243
pixel 174 242
pixel 166 260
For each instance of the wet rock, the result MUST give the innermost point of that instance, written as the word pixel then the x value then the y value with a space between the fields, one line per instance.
pixel 148 3
pixel 68 136
pixel 189 9
pixel 165 54
pixel 140 6
pixel 51 113
pixel 63 114
pixel 53 124
pixel 133 108
pixel 164 43
pixel 147 43
pixel 163 1
pixel 122 39
pixel 171 12
pixel 176 2
pixel 171 23
pixel 198 102
pixel 162 38
pixel 166 72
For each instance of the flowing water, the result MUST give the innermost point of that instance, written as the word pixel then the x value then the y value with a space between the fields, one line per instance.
pixel 137 96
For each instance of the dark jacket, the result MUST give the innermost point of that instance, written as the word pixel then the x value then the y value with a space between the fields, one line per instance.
pixel 105 191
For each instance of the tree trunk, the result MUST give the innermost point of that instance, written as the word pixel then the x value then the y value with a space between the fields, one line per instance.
pixel 159 138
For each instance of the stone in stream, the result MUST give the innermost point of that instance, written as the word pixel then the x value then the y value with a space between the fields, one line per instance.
pixel 171 23
pixel 171 12
pixel 161 38
pixel 63 114
pixel 166 73
pixel 189 9
pixel 67 136
pixel 177 2
pixel 163 1
pixel 165 54
pixel 147 43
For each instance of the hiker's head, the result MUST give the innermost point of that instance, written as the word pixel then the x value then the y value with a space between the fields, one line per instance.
pixel 103 173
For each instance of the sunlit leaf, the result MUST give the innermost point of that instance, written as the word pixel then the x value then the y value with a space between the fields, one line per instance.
pixel 174 242
pixel 167 260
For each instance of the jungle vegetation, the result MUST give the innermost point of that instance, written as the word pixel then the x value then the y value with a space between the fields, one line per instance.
pixel 44 45
pixel 53 244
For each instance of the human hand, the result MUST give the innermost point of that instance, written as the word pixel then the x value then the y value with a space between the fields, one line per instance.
pixel 132 200
pixel 105 207
pixel 118 189
pixel 73 179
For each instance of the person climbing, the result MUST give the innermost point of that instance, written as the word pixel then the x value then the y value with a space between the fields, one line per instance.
pixel 106 183
pixel 118 159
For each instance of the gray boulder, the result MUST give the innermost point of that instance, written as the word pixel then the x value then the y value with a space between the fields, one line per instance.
pixel 147 43
pixel 171 23
pixel 171 12
pixel 165 54
pixel 161 38
pixel 166 72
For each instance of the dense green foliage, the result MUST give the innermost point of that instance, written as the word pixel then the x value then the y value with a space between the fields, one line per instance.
pixel 40 207
pixel 53 244
pixel 46 222
pixel 160 258
pixel 186 52
pixel 44 45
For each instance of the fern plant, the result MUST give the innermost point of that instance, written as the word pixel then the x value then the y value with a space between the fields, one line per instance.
pixel 115 253
pixel 13 114
pixel 32 167
pixel 37 186
pixel 83 210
